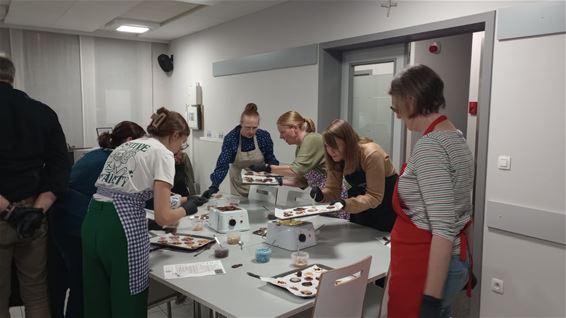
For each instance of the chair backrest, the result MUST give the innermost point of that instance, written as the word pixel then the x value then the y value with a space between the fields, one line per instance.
pixel 291 196
pixel 263 193
pixel 341 291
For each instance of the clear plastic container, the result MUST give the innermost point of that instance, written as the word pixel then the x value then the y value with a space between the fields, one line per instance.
pixel 300 258
pixel 262 254
pixel 221 252
pixel 233 238
pixel 198 225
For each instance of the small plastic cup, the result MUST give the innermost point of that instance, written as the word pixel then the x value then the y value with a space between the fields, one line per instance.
pixel 262 254
pixel 233 238
pixel 198 225
pixel 300 258
pixel 221 252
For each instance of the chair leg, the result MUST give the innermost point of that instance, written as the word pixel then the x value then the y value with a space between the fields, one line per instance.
pixel 195 304
pixel 169 311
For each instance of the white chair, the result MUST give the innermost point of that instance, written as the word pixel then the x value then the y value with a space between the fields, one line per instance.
pixel 263 193
pixel 341 291
pixel 291 196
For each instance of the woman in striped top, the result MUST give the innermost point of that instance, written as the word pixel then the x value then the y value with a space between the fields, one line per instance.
pixel 429 261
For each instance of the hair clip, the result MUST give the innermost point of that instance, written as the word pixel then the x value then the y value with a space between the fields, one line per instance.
pixel 157 120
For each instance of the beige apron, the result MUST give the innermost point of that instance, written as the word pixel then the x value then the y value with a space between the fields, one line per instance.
pixel 243 160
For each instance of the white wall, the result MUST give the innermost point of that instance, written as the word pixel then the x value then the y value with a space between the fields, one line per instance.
pixel 527 122
pixel 287 25
pixel 477 47
pixel 452 64
pixel 161 81
pixel 534 138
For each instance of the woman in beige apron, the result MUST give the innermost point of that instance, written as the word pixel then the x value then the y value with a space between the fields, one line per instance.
pixel 243 146
pixel 243 160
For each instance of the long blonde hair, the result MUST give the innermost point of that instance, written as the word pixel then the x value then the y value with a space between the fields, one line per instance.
pixel 294 119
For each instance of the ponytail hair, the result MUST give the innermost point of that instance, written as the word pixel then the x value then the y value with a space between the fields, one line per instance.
pixel 120 133
pixel 166 123
pixel 294 119
pixel 249 110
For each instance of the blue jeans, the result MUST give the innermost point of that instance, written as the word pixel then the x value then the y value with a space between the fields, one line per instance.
pixel 455 281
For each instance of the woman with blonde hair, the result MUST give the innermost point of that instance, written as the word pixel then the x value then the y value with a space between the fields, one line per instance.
pixel 308 167
pixel 367 169
pixel 243 146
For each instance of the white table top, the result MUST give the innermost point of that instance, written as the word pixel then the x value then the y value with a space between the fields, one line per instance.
pixel 236 294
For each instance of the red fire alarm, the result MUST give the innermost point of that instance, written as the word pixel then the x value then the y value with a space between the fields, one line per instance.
pixel 434 48
pixel 473 108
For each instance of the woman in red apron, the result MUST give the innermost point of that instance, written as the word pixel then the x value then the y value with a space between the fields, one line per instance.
pixel 432 199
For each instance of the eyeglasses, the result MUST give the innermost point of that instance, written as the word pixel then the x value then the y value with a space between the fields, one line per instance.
pixel 184 146
pixel 394 109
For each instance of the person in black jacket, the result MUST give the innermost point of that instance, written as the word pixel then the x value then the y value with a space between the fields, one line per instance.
pixel 34 171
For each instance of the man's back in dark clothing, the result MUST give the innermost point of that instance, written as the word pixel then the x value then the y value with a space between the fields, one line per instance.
pixel 33 151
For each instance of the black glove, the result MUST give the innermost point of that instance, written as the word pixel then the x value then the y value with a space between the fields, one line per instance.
pixel 279 179
pixel 192 204
pixel 208 193
pixel 430 307
pixel 26 220
pixel 341 201
pixel 261 167
pixel 316 194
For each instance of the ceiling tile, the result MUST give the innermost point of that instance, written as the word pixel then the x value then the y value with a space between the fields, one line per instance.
pixel 89 15
pixel 36 13
pixel 158 11
pixel 207 17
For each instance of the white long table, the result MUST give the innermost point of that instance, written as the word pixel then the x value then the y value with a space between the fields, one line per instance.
pixel 236 294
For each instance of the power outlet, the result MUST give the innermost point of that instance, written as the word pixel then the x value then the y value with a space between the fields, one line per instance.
pixel 497 285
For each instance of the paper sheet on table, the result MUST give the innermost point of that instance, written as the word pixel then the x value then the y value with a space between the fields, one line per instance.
pixel 193 269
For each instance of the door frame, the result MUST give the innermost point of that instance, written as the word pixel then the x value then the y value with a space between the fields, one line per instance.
pixel 329 96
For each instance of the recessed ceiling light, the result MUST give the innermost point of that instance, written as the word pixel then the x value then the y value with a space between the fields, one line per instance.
pixel 132 28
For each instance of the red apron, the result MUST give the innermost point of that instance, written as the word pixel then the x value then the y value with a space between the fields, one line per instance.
pixel 410 247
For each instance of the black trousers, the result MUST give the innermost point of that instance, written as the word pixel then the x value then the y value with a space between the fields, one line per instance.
pixel 65 269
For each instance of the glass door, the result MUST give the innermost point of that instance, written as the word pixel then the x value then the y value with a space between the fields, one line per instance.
pixel 366 78
pixel 370 114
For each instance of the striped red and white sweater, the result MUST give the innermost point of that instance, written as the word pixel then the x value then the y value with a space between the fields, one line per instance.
pixel 436 187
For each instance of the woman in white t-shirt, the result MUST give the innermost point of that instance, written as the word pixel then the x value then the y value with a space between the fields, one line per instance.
pixel 115 240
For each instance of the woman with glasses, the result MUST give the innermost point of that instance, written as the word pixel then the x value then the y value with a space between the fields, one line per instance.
pixel 114 232
pixel 367 169
pixel 429 256
pixel 243 146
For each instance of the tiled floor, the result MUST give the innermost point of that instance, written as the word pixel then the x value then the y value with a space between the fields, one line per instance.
pixel 184 309
pixel 461 309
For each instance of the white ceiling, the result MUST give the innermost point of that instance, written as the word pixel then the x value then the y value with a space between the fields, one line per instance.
pixel 172 18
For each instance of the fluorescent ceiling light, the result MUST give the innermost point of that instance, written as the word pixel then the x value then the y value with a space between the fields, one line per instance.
pixel 132 28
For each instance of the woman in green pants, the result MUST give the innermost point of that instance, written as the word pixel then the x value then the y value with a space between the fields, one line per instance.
pixel 115 240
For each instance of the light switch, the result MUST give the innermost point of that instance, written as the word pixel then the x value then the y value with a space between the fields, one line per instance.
pixel 504 163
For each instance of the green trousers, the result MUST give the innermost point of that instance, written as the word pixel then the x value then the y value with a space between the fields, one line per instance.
pixel 105 266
